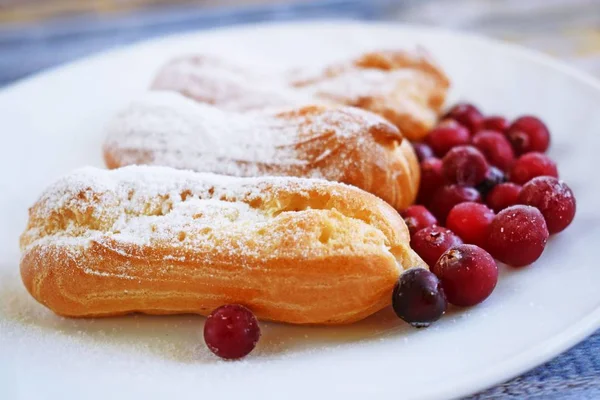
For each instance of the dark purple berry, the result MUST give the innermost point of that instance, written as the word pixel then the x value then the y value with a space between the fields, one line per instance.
pixel 423 151
pixel 418 298
pixel 492 178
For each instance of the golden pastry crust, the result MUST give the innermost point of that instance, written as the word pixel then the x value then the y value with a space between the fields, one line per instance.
pixel 341 144
pixel 162 241
pixel 407 88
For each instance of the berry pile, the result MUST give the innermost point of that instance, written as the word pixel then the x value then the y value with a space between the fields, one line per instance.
pixel 487 191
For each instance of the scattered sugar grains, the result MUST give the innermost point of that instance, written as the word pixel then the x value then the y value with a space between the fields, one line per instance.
pixel 27 326
pixel 160 342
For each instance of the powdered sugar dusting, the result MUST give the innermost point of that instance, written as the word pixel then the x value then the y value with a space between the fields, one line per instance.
pixel 410 86
pixel 142 205
pixel 164 343
pixel 230 86
pixel 169 129
pixel 361 83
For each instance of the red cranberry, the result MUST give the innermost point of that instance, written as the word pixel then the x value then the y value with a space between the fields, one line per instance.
pixel 231 331
pixel 527 134
pixel 464 165
pixel 553 198
pixel 471 222
pixel 495 123
pixel 530 165
pixel 418 298
pixel 518 235
pixel 502 196
pixel 423 151
pixel 417 218
pixel 445 136
pixel 493 177
pixel 431 242
pixel 496 148
pixel 468 274
pixel 447 197
pixel 467 115
pixel 431 179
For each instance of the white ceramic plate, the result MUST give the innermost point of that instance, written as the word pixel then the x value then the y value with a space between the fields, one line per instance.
pixel 54 122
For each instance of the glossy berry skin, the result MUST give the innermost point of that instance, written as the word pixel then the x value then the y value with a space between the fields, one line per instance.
pixel 471 221
pixel 553 198
pixel 417 217
pixel 430 243
pixel 527 134
pixel 496 149
pixel 464 165
pixel 518 235
pixel 492 178
pixel 467 115
pixel 531 165
pixel 423 151
pixel 468 275
pixel 447 197
pixel 503 195
pixel 231 331
pixel 431 179
pixel 418 298
pixel 446 136
pixel 495 123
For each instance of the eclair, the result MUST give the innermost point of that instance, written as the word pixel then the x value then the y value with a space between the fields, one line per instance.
pixel 158 240
pixel 406 87
pixel 343 144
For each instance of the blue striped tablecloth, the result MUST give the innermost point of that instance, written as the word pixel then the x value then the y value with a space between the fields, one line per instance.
pixel 574 374
pixel 28 49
